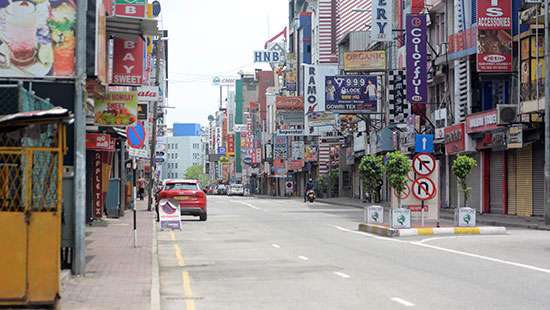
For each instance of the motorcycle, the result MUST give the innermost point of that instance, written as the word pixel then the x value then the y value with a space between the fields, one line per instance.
pixel 310 195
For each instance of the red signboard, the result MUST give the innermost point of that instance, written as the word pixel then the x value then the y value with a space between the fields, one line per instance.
pixel 99 142
pixel 97 192
pixel 454 139
pixel 482 121
pixel 131 8
pixel 289 103
pixel 128 55
pixel 230 145
pixel 417 6
pixel 494 23
pixel 295 165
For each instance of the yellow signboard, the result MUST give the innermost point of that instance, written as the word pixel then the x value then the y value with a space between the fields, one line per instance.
pixel 365 61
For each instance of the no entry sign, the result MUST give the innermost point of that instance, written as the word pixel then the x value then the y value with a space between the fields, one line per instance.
pixel 423 164
pixel 423 188
pixel 136 135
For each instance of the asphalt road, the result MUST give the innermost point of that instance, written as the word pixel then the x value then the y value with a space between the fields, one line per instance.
pixel 284 254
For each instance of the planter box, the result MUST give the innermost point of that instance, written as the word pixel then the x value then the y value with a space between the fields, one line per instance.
pixel 465 217
pixel 401 218
pixel 375 215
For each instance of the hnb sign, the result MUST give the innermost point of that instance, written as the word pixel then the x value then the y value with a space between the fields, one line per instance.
pixel 267 56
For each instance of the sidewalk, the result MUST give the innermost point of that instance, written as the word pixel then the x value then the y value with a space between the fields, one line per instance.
pixel 448 214
pixel 118 276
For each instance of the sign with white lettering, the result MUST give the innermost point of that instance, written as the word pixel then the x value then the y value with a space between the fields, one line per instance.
pixel 382 14
pixel 128 55
pixel 482 121
pixel 417 59
pixel 148 93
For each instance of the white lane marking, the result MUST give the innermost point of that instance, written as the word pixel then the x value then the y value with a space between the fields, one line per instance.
pixel 246 204
pixel 402 301
pixel 341 274
pixel 276 246
pixel 341 228
pixel 487 258
pixel 303 257
pixel 366 234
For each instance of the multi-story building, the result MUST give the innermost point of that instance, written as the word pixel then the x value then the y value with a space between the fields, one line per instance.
pixel 183 150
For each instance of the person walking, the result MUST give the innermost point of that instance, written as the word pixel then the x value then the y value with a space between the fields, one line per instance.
pixel 141 188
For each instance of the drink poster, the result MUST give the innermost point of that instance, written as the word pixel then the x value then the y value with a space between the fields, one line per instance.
pixel 38 38
pixel 116 109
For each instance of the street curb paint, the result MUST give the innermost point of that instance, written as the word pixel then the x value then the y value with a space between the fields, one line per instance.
pixel 155 273
pixel 429 231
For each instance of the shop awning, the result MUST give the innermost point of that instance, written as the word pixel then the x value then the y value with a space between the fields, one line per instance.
pixel 131 26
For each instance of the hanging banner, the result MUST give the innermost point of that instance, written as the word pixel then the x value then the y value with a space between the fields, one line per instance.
pixel 352 93
pixel 38 39
pixel 382 15
pixel 128 56
pixel 400 108
pixel 116 109
pixel 494 24
pixel 417 59
pixel 97 191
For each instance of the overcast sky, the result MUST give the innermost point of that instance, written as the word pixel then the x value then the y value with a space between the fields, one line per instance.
pixel 213 37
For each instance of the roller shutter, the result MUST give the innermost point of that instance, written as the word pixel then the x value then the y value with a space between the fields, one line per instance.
pixel 474 181
pixel 496 182
pixel 453 186
pixel 524 183
pixel 512 182
pixel 538 179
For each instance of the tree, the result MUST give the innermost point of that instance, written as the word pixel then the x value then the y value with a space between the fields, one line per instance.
pixel 371 169
pixel 397 169
pixel 462 166
pixel 196 172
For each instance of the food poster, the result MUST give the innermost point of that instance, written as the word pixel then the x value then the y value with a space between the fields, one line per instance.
pixel 116 109
pixel 37 38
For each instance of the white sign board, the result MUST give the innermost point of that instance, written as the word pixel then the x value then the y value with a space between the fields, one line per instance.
pixel 375 215
pixel 382 14
pixel 466 217
pixel 268 56
pixel 148 93
pixel 224 80
pixel 169 214
pixel 401 218
pixel 240 128
pixel 423 188
pixel 139 153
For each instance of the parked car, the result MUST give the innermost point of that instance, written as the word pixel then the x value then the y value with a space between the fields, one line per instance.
pixel 235 189
pixel 222 189
pixel 211 189
pixel 191 198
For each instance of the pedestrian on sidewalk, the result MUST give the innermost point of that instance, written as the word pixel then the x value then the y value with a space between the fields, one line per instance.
pixel 141 188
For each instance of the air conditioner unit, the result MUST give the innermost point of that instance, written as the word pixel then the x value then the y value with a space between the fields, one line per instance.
pixel 507 114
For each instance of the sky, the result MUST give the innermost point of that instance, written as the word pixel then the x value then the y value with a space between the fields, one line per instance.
pixel 209 38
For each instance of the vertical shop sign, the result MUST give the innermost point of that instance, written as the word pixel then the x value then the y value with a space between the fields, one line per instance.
pixel 97 191
pixel 128 56
pixel 382 15
pixel 230 145
pixel 398 104
pixel 494 24
pixel 131 8
pixel 417 59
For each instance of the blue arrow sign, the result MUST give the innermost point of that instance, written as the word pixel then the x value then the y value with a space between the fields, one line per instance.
pixel 136 135
pixel 424 144
pixel 221 150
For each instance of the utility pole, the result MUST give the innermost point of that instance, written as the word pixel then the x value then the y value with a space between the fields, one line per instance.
pixel 79 179
pixel 546 116
pixel 154 133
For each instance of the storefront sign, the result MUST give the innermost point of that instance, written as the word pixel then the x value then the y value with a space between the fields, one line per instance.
pixel 417 59
pixel 38 39
pixel 289 103
pixel 352 93
pixel 295 165
pixel 365 61
pixel 290 132
pixel 99 142
pixel 495 140
pixel 116 109
pixel 463 43
pixel 131 8
pixel 454 139
pixel 148 93
pixel 297 150
pixel 483 121
pixel 128 56
pixel 515 137
pixel 494 23
pixel 382 14
pixel 399 107
pixel 97 191
pixel 311 89
pixel 230 145
pixel 142 109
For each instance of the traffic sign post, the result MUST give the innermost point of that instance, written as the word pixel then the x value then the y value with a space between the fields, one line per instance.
pixel 423 164
pixel 136 135
pixel 424 143
pixel 423 189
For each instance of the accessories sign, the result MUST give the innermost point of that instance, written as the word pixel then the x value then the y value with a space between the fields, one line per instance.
pixel 494 24
pixel 417 59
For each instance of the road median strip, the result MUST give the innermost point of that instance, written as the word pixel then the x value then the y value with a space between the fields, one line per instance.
pixel 429 231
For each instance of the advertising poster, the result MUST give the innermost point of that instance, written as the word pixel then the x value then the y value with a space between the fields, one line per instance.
pixel 311 152
pixel 142 111
pixel 417 59
pixel 169 214
pixel 365 61
pixel 352 93
pixel 399 107
pixel 314 99
pixel 494 39
pixel 290 115
pixel 128 61
pixel 116 109
pixel 38 38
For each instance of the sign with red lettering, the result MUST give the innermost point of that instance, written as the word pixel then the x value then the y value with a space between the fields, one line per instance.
pixel 148 93
pixel 128 55
pixel 230 145
pixel 99 142
pixel 131 8
pixel 454 139
pixel 97 191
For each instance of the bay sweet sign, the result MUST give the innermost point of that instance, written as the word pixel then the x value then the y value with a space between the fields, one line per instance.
pixel 128 55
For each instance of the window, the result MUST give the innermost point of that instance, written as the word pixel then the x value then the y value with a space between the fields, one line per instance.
pixel 176 155
pixel 196 156
pixel 196 146
pixel 181 186
pixel 176 165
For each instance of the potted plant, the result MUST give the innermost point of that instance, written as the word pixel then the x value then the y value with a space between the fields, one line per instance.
pixel 371 169
pixel 397 166
pixel 462 167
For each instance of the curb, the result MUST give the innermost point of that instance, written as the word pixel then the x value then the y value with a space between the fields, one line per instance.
pixel 429 231
pixel 335 203
pixel 155 274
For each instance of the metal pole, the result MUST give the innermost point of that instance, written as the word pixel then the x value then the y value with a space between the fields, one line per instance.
pixel 134 198
pixel 546 116
pixel 154 133
pixel 79 205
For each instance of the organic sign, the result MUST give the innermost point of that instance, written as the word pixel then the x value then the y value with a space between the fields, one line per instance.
pixel 351 93
pixel 38 39
pixel 116 109
pixel 365 61
pixel 128 55
pixel 417 59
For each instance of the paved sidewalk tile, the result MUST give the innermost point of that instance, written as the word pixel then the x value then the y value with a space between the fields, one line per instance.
pixel 118 276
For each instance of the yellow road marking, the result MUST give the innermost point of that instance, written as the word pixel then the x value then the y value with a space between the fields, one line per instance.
pixel 189 302
pixel 172 236
pixel 179 256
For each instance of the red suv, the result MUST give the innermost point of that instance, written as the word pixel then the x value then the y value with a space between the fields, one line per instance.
pixel 191 198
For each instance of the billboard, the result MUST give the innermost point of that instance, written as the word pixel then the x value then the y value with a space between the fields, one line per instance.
pixel 116 109
pixel 128 61
pixel 38 39
pixel 365 61
pixel 494 37
pixel 352 93
pixel 417 59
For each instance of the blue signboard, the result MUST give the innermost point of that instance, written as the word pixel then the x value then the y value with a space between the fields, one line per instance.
pixel 424 144
pixel 136 135
pixel 351 93
pixel 221 150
